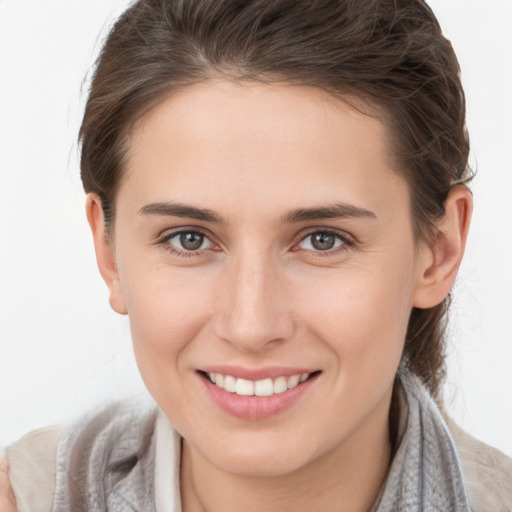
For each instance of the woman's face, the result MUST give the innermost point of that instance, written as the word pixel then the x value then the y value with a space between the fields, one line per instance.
pixel 262 234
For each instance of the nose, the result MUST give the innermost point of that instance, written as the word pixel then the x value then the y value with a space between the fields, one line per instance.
pixel 253 312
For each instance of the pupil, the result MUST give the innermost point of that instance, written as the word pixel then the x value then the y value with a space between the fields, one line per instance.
pixel 323 241
pixel 191 241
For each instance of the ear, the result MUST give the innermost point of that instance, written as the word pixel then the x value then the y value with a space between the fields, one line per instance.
pixel 440 261
pixel 105 256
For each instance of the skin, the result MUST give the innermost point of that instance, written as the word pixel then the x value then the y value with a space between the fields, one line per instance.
pixel 259 294
pixel 7 499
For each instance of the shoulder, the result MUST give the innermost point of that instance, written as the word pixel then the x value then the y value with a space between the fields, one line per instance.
pixel 488 472
pixel 103 445
pixel 114 432
pixel 28 472
pixel 107 457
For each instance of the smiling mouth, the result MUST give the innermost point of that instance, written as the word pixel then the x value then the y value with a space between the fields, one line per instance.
pixel 263 387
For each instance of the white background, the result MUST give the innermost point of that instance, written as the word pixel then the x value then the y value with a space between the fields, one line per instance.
pixel 61 348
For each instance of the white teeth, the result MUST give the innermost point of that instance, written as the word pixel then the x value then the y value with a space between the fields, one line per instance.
pixel 264 387
pixel 244 387
pixel 230 384
pixel 292 381
pixel 280 385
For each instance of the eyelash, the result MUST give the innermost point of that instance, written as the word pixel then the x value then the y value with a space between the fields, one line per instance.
pixel 347 242
pixel 164 242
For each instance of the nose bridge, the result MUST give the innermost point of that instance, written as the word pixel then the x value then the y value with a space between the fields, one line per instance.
pixel 253 310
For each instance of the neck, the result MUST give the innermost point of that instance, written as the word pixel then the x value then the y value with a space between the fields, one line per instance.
pixel 350 476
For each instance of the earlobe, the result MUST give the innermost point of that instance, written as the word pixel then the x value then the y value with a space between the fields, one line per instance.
pixel 440 261
pixel 105 256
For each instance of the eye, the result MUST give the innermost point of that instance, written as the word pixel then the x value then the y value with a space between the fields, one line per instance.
pixel 187 242
pixel 323 241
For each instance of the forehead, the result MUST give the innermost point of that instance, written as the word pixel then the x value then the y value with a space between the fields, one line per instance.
pixel 223 143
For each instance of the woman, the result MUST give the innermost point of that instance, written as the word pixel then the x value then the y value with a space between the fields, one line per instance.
pixel 276 192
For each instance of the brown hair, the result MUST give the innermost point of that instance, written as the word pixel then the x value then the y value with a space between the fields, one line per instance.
pixel 390 53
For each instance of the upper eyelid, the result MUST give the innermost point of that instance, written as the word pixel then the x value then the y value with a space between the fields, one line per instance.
pixel 338 232
pixel 169 233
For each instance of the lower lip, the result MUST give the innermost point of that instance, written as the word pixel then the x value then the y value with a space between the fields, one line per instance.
pixel 256 407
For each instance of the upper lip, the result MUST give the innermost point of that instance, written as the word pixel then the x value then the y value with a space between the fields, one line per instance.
pixel 270 372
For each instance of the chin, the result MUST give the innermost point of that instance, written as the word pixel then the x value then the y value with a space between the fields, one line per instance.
pixel 260 460
pixel 258 467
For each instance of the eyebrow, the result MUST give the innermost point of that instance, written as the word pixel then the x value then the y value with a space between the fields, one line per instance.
pixel 182 210
pixel 336 211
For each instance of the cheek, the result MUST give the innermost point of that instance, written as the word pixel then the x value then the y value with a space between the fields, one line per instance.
pixel 362 313
pixel 167 310
pixel 360 317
